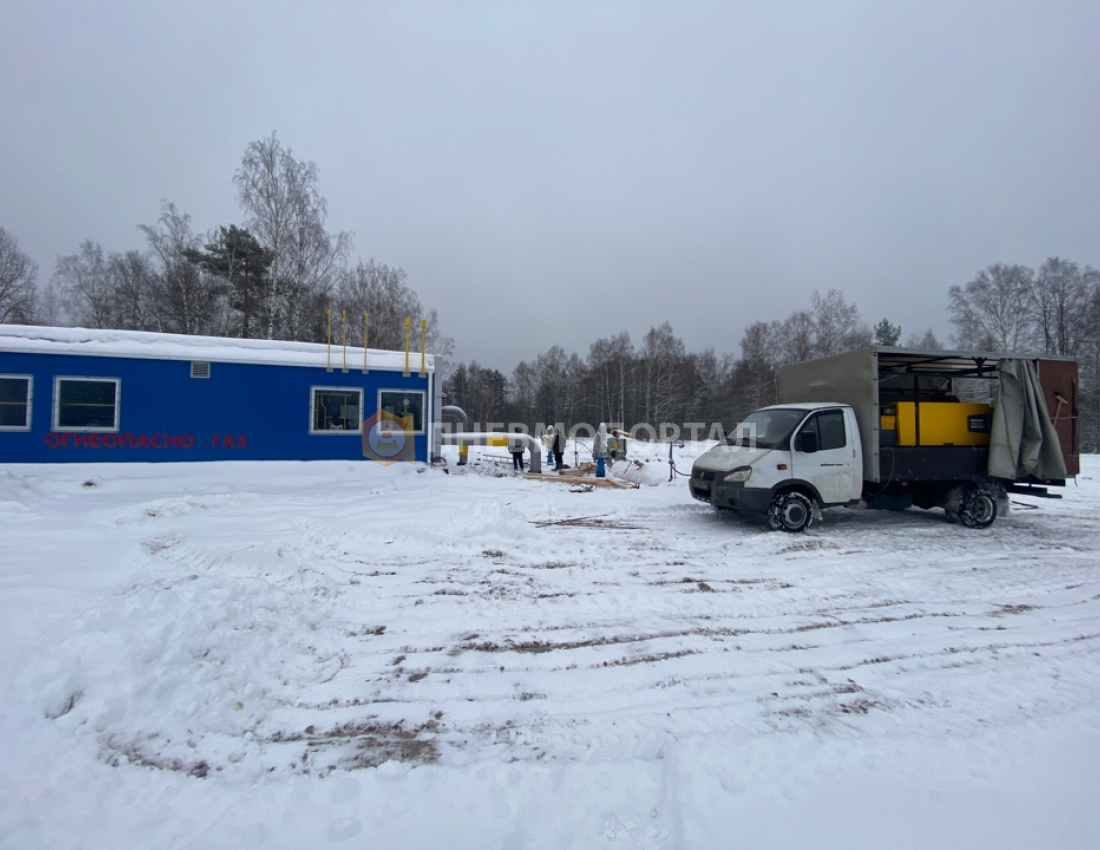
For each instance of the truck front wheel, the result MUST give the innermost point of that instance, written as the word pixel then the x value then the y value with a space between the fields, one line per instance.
pixel 790 511
pixel 977 508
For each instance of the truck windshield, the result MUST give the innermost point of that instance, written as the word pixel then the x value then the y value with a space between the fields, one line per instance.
pixel 765 429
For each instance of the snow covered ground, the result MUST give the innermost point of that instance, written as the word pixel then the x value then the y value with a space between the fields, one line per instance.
pixel 292 655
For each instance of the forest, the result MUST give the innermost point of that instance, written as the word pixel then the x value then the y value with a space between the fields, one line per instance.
pixel 280 273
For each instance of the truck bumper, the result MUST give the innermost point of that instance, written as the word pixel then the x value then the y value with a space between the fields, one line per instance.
pixel 735 497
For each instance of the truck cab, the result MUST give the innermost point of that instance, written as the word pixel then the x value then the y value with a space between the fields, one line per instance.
pixel 784 461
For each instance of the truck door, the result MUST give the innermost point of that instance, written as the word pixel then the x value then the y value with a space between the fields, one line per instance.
pixel 832 468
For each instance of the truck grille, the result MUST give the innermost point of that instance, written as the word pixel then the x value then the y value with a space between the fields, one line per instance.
pixel 700 483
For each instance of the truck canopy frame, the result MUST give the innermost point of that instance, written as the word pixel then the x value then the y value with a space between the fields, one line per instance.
pixel 856 378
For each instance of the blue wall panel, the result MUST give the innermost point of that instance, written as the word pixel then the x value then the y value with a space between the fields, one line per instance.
pixel 243 411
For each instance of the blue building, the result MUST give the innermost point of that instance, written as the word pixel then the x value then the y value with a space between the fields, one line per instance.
pixel 78 395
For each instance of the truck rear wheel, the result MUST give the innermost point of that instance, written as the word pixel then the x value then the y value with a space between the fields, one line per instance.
pixel 977 508
pixel 791 512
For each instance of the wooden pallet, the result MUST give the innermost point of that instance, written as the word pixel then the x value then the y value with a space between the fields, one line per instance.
pixel 580 478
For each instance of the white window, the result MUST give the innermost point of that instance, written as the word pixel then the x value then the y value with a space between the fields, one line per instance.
pixel 15 402
pixel 335 410
pixel 406 405
pixel 85 404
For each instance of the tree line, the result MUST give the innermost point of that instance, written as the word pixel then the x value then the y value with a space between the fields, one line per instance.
pixel 1053 311
pixel 273 275
pixel 659 380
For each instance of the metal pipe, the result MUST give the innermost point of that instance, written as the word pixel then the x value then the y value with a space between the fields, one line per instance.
pixel 481 438
pixel 456 412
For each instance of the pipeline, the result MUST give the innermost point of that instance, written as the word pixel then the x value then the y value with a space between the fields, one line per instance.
pixel 456 412
pixel 481 438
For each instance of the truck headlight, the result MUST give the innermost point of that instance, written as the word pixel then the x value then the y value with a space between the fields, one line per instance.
pixel 739 475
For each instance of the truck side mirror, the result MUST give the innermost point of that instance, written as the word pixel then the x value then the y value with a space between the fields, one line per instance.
pixel 807 442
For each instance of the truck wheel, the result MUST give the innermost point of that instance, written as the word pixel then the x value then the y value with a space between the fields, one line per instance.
pixel 977 508
pixel 791 512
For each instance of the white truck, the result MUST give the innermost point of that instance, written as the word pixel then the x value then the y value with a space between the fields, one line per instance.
pixel 889 428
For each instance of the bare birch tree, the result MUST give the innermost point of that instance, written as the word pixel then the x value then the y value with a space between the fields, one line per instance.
pixel 384 293
pixel 1061 301
pixel 837 324
pixel 559 378
pixel 755 375
pixel 287 214
pixel 611 364
pixel 994 310
pixel 662 368
pixel 187 300
pixel 18 276
pixel 85 287
pixel 133 283
pixel 523 392
pixel 797 337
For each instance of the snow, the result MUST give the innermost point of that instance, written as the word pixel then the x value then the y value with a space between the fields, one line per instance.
pixel 35 339
pixel 299 655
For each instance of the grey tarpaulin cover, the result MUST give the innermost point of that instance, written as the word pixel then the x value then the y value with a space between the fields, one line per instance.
pixel 1023 441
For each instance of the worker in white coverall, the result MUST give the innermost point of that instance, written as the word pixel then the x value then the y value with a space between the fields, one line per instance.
pixel 599 450
pixel 548 441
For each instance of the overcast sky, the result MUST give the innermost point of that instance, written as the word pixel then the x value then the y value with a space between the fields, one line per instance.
pixel 550 173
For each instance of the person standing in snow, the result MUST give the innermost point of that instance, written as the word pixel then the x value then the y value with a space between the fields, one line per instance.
pixel 557 447
pixel 599 450
pixel 515 446
pixel 548 442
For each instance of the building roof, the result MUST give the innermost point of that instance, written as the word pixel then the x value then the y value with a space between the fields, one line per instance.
pixel 161 346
